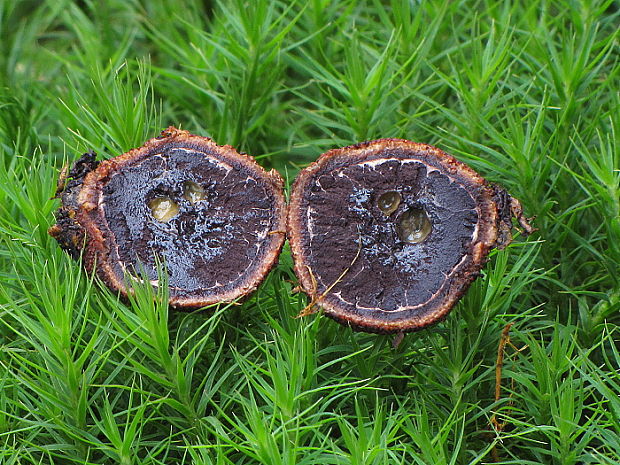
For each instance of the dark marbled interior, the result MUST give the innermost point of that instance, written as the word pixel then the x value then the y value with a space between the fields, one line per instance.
pixel 343 218
pixel 208 245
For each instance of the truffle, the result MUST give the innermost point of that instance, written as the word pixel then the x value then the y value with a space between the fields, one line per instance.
pixel 214 217
pixel 387 235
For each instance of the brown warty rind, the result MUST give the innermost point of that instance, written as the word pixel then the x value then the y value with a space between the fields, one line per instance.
pixel 347 214
pixel 212 216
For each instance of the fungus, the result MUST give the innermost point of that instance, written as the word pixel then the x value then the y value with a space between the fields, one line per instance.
pixel 414 226
pixel 388 202
pixel 163 209
pixel 387 235
pixel 193 192
pixel 206 211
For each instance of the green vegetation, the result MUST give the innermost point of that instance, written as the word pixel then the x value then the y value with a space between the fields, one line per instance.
pixel 525 92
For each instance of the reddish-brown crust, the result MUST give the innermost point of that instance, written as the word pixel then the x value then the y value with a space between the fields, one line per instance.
pixel 488 225
pixel 88 214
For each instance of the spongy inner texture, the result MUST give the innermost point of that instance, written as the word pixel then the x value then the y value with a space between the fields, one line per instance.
pixel 347 227
pixel 215 238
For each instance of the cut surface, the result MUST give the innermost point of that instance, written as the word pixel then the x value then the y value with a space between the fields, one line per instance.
pixel 387 235
pixel 214 217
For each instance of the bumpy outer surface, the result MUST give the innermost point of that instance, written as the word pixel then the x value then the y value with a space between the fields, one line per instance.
pixel 217 249
pixel 348 254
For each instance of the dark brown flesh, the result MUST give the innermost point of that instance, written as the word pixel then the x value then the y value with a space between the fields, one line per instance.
pixel 205 211
pixel 387 235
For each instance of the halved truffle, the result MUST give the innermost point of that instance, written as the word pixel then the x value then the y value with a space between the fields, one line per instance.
pixel 214 217
pixel 387 235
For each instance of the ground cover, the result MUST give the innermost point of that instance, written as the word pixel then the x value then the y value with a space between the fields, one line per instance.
pixel 524 92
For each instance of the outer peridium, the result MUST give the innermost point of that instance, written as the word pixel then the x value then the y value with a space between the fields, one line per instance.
pixel 490 221
pixel 90 215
